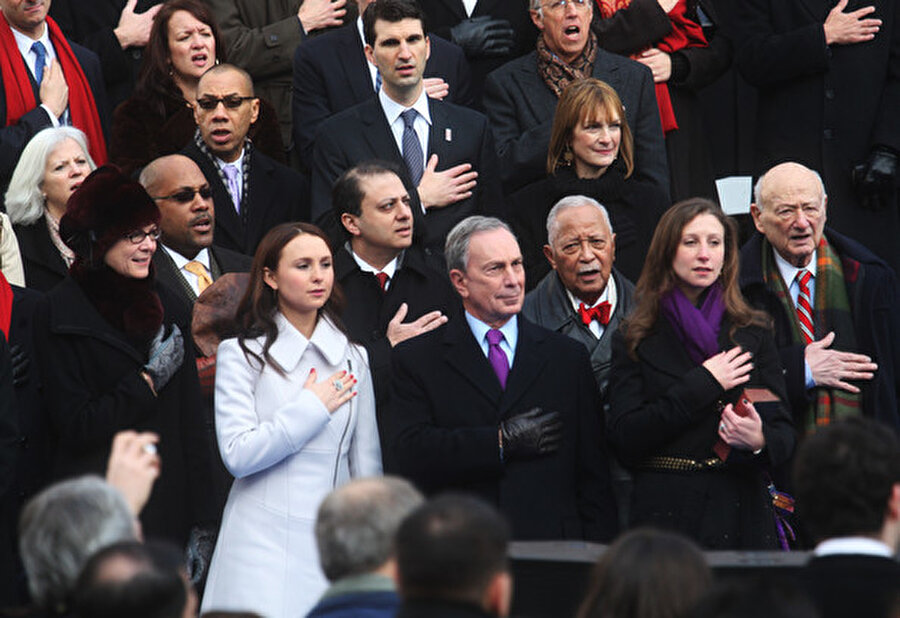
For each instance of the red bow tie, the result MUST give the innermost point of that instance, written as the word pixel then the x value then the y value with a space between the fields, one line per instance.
pixel 600 313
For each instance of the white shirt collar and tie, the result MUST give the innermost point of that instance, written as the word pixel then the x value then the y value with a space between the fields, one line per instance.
pixel 390 269
pixel 422 125
pixel 610 294
pixel 180 262
pixel 234 173
pixel 789 274
pixel 26 48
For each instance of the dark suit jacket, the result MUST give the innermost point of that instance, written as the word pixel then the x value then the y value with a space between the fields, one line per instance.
pixel 277 194
pixel 447 406
pixel 442 15
pixel 872 290
pixel 331 74
pixel 44 266
pixel 851 585
pixel 14 138
pixel 664 404
pixel 221 261
pixel 362 133
pixel 521 109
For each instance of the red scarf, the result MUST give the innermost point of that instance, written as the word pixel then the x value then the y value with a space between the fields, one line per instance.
pixel 20 95
pixel 684 33
pixel 6 304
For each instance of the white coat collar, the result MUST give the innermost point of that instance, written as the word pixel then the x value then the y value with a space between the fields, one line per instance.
pixel 291 344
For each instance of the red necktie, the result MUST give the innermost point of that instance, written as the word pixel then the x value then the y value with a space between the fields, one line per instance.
pixel 600 313
pixel 382 280
pixel 804 306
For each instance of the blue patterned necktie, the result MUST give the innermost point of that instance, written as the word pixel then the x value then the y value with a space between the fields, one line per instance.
pixel 41 52
pixel 412 148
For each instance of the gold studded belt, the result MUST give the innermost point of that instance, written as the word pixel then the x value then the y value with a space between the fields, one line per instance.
pixel 681 464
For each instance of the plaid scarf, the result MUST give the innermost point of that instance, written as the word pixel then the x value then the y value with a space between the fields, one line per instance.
pixel 245 176
pixel 831 313
pixel 556 73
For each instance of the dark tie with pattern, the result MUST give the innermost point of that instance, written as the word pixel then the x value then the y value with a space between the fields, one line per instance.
pixel 41 52
pixel 412 148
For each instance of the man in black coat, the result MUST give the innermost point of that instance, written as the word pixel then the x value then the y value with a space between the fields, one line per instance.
pixel 521 104
pixel 186 224
pixel 374 209
pixel 252 192
pixel 852 356
pixel 51 95
pixel 331 74
pixel 829 91
pixel 449 145
pixel 847 485
pixel 496 406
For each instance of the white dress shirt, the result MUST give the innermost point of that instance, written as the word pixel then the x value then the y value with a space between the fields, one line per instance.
pixel 609 295
pixel 789 276
pixel 180 262
pixel 24 43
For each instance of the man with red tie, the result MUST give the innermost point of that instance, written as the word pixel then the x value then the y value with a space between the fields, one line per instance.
pixel 584 297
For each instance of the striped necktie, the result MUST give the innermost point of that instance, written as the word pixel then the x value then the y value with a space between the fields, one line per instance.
pixel 804 306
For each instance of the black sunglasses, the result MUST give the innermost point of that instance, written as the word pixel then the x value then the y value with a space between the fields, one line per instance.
pixel 232 101
pixel 187 194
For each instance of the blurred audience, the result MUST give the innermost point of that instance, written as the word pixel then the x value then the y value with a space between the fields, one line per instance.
pixel 53 165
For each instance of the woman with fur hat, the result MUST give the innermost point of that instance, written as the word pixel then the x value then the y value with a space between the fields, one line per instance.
pixel 111 360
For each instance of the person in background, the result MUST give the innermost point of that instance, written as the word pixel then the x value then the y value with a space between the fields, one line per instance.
pixel 53 165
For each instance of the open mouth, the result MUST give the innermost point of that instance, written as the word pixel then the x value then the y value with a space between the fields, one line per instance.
pixel 220 136
pixel 202 224
pixel 74 187
pixel 404 231
pixel 199 59
pixel 406 70
pixel 572 32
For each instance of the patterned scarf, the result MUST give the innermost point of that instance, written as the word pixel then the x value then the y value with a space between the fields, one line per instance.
pixel 685 33
pixel 831 313
pixel 245 175
pixel 556 73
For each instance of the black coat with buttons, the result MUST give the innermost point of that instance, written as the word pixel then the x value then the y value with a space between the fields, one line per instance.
pixel 664 404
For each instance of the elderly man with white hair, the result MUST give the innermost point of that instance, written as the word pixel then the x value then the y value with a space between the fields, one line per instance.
pixel 834 304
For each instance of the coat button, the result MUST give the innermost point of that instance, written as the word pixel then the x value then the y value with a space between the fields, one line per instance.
pixel 829 94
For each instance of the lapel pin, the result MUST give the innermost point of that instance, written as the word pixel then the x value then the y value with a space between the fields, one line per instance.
pixel 448 135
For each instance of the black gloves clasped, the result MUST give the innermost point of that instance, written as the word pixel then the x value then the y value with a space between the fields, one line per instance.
pixel 536 432
pixel 483 36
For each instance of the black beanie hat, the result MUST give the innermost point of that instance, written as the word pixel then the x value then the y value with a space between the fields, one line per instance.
pixel 107 206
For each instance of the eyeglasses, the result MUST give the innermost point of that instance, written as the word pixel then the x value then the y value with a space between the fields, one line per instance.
pixel 183 196
pixel 560 5
pixel 232 101
pixel 138 236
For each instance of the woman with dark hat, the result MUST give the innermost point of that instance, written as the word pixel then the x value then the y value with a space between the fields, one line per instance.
pixel 111 360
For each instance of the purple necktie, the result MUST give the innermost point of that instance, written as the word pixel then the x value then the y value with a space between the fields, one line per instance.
pixel 497 357
pixel 234 185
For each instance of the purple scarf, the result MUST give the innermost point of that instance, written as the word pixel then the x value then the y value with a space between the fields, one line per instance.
pixel 697 328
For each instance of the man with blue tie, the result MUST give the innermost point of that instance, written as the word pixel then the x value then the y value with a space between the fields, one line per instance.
pixel 833 303
pixel 496 406
pixel 46 81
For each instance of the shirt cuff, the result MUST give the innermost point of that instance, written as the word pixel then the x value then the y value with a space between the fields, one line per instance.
pixel 807 373
pixel 53 119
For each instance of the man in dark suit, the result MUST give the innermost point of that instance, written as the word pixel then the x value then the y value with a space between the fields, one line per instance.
pixel 499 407
pixel 841 357
pixel 584 297
pixel 829 91
pixel 58 94
pixel 331 73
pixel 252 192
pixel 847 485
pixel 186 260
pixel 415 297
pixel 443 147
pixel 520 97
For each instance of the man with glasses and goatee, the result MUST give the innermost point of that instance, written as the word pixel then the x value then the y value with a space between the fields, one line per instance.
pixel 252 192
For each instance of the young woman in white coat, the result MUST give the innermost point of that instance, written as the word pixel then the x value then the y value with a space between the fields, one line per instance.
pixel 295 417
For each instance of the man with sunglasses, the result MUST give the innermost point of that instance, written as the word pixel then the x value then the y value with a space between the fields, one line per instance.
pixel 520 97
pixel 252 192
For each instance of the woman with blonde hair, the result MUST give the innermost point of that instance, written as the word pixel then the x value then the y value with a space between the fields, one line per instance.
pixel 591 153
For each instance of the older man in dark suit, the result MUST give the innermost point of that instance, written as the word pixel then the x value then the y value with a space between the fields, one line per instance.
pixel 253 193
pixel 520 97
pixel 46 81
pixel 331 74
pixel 446 150
pixel 496 406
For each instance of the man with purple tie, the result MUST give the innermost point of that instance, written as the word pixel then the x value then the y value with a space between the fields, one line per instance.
pixel 496 406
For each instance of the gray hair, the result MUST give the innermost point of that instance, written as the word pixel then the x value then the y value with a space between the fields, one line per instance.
pixel 356 524
pixel 24 199
pixel 456 249
pixel 567 203
pixel 61 527
pixel 758 187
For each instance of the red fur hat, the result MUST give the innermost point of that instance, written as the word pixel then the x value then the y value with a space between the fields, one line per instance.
pixel 106 207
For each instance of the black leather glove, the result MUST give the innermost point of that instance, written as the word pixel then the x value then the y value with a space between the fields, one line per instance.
pixel 483 36
pixel 876 179
pixel 199 553
pixel 166 356
pixel 536 432
pixel 20 365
